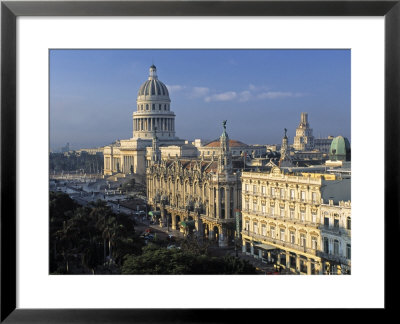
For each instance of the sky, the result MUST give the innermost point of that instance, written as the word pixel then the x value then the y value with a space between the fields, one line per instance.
pixel 259 92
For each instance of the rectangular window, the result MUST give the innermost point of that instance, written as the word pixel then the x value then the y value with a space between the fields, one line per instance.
pixel 247 206
pixel 336 223
pixel 282 212
pixel 314 197
pixel 302 240
pixel 314 217
pixel 291 213
pixel 272 192
pixel 272 228
pixel 255 207
pixel 336 247
pixel 302 216
pixel 292 237
pixel 263 190
pixel 292 194
pixel 264 230
pixel 255 228
pixel 326 221
pixel 263 209
pixel 272 211
pixel 282 232
pixel 254 189
pixel 303 196
pixel 247 187
pixel 348 223
pixel 247 225
pixel 282 193
pixel 314 242
pixel 348 251
pixel 326 245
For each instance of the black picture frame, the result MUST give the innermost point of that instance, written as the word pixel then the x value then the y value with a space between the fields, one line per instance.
pixel 10 10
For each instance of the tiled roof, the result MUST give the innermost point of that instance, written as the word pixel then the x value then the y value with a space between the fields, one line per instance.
pixel 232 143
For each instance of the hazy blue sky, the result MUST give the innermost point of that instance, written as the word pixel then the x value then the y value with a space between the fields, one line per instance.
pixel 260 92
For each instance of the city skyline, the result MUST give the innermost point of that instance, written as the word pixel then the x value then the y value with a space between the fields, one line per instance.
pixel 260 92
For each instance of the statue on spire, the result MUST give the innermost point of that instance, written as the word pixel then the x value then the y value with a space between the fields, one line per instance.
pixel 224 124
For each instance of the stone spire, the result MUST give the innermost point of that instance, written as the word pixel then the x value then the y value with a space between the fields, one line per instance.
pixel 285 159
pixel 225 157
pixel 284 147
pixel 156 154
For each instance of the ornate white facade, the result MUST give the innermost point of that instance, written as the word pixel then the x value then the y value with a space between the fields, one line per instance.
pixel 204 191
pixel 281 218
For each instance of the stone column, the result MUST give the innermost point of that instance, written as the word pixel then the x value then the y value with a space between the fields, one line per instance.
pixel 218 204
pixel 287 260
pixel 251 249
pixel 269 256
pixel 244 247
pixel 278 261
pixel 308 266
pixel 222 237
pixel 173 221
pixel 227 202
pixel 297 263
pixel 320 268
pixel 162 220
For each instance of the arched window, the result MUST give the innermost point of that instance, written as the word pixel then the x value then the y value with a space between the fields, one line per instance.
pixel 147 107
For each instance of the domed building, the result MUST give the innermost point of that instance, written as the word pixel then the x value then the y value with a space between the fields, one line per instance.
pixel 153 115
pixel 153 110
pixel 340 149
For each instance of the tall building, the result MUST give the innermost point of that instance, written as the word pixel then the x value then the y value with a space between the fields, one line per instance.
pixel 304 139
pixel 153 113
pixel 283 220
pixel 198 191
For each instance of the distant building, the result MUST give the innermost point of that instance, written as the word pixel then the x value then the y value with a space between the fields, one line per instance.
pixel 323 144
pixel 65 148
pixel 304 139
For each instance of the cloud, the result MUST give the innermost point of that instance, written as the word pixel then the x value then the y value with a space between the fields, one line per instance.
pixel 175 88
pixel 278 94
pixel 225 96
pixel 199 92
pixel 245 96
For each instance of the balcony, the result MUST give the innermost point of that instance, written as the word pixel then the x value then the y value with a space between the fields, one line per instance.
pixel 279 243
pixel 333 257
